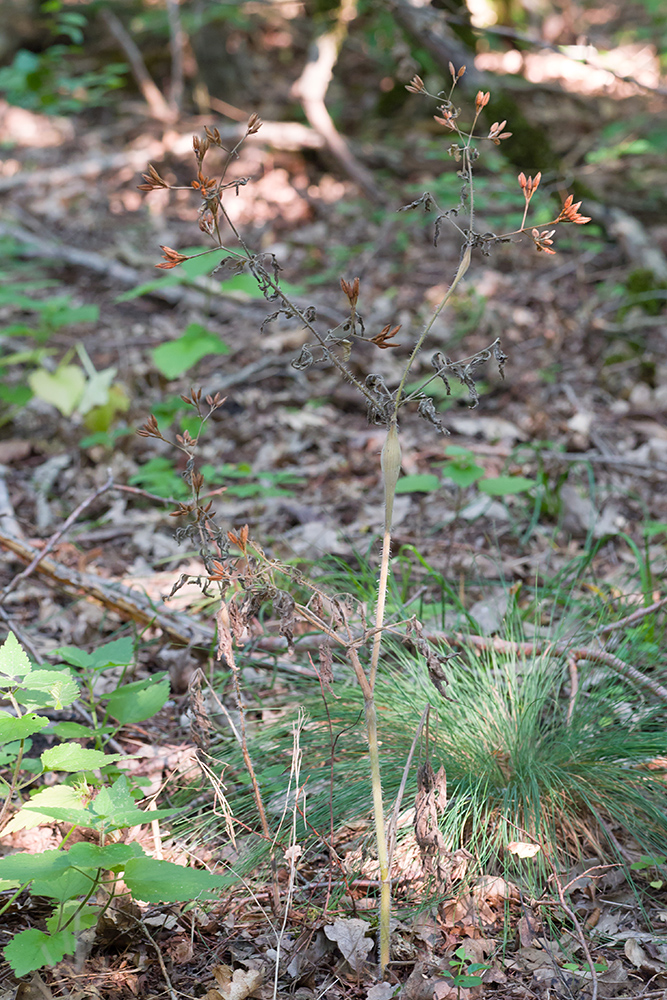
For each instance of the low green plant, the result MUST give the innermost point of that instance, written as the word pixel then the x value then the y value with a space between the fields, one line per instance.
pixel 159 475
pixel 49 81
pixel 462 972
pixel 80 881
pixel 462 469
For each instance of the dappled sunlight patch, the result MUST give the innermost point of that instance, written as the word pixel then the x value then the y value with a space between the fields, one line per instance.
pixel 21 127
pixel 598 75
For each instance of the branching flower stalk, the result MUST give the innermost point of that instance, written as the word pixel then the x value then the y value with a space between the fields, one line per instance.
pixel 334 348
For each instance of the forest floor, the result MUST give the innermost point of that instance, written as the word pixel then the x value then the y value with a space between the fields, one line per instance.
pixel 580 411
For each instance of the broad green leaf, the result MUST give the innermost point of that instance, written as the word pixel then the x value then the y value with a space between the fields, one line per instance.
pixel 154 881
pixel 39 807
pixel 506 485
pixel 14 662
pixel 116 807
pixel 52 688
pixel 64 886
pixel 72 757
pixel 139 700
pixel 12 728
pixel 72 730
pixel 73 655
pixel 63 388
pixel 420 483
pixel 462 473
pixel 77 817
pixel 26 867
pixel 119 653
pixel 175 356
pixel 32 949
pixel 109 856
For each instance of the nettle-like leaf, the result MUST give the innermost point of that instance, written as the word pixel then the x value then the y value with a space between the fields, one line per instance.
pixel 73 757
pixel 69 801
pixel 114 807
pixel 48 689
pixel 12 728
pixel 33 949
pixel 14 662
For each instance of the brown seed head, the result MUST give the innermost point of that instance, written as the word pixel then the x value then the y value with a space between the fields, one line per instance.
pixel 172 258
pixel 351 290
pixel 254 124
pixel 482 99
pixel 152 179
pixel 496 133
pixel 543 239
pixel 416 85
pixel 529 185
pixel 382 338
pixel 570 212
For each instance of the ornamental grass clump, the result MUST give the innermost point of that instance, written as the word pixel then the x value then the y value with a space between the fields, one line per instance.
pixel 245 583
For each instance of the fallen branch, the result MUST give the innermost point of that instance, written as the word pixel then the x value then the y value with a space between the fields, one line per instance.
pixel 180 628
pixel 311 89
pixel 563 649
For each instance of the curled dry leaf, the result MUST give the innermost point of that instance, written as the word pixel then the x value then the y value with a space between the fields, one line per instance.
pixel 236 985
pixel 350 936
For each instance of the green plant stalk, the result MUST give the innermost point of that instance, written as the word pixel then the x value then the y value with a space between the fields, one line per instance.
pixel 378 807
pixel 391 473
pixel 391 468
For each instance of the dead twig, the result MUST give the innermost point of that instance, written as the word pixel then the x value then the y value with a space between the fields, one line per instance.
pixel 55 538
pixel 636 616
pixel 311 89
pixel 152 95
pixel 180 628
pixel 558 649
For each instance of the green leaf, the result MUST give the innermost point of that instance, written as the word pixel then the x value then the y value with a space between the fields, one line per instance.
pixel 62 389
pixel 119 653
pixel 176 356
pixel 72 730
pixel 72 654
pixel 43 804
pixel 56 688
pixel 420 483
pixel 154 881
pixel 12 728
pixel 503 486
pixel 32 949
pixel 463 475
pixel 14 662
pixel 139 700
pixel 64 886
pixel 26 867
pixel 108 857
pixel 116 808
pixel 72 757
